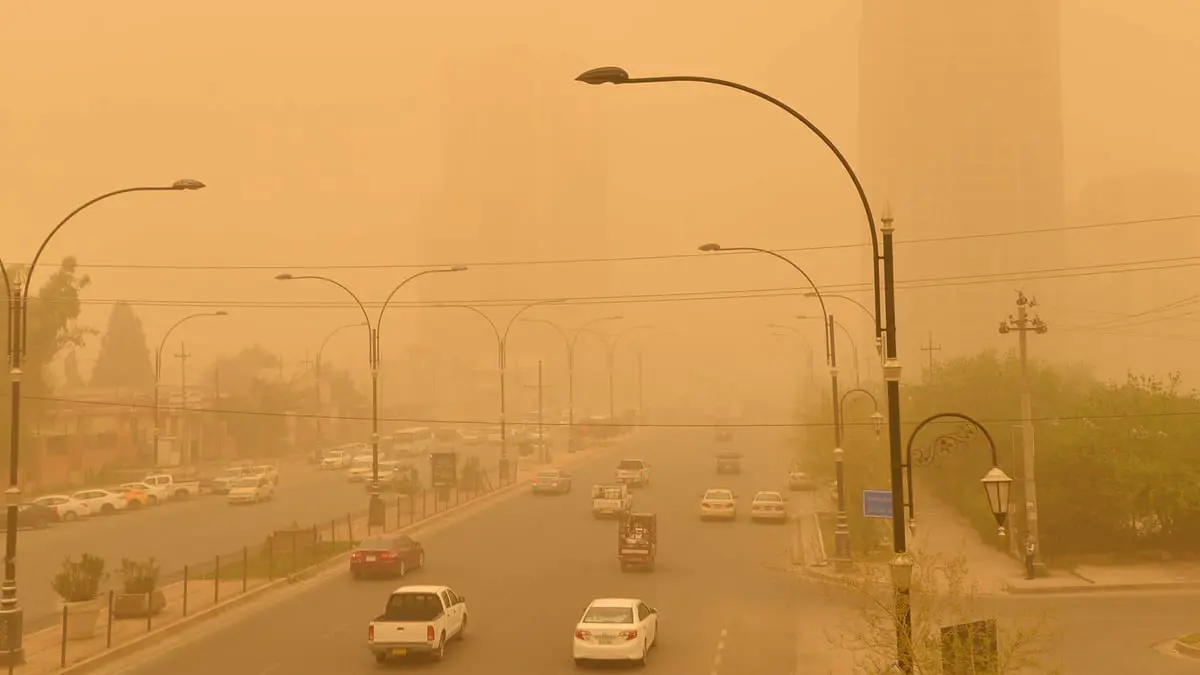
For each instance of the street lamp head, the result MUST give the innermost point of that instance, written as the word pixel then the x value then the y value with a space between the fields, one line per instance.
pixel 709 247
pixel 458 268
pixel 604 75
pixel 284 277
pixel 998 487
pixel 614 317
pixel 220 312
pixel 187 184
pixel 877 422
pixel 901 567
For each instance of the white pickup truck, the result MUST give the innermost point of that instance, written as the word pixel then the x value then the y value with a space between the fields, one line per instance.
pixel 633 472
pixel 173 488
pixel 610 500
pixel 418 621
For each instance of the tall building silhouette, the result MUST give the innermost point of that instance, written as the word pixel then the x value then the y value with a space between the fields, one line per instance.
pixel 961 134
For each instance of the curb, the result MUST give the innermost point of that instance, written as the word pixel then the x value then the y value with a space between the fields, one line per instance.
pixel 1102 588
pixel 120 651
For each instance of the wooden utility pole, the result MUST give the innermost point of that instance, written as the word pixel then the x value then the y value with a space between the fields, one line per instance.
pixel 930 348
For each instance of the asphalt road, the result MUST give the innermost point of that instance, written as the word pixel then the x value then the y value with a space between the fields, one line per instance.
pixel 184 533
pixel 529 565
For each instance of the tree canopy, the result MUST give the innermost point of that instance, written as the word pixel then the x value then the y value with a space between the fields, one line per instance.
pixel 124 360
pixel 51 326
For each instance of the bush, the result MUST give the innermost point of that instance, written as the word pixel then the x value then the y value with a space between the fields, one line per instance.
pixel 79 580
pixel 139 577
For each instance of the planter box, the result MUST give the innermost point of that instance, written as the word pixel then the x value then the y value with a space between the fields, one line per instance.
pixel 81 619
pixel 138 605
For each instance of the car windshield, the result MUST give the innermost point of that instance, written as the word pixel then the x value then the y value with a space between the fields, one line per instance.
pixel 768 497
pixel 413 607
pixel 718 495
pixel 630 465
pixel 376 544
pixel 247 482
pixel 548 475
pixel 608 615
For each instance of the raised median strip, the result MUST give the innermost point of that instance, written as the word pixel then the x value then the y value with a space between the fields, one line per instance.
pixel 211 588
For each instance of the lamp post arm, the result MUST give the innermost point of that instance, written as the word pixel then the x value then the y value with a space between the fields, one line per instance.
pixel 858 186
pixel 908 448
pixel 371 354
pixel 816 290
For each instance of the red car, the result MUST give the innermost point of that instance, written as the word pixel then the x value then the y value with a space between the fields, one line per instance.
pixel 388 555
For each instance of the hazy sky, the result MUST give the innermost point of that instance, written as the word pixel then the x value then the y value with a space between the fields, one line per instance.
pixel 317 128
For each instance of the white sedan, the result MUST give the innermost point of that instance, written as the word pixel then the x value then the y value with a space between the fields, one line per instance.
pixel 718 504
pixel 67 508
pixel 615 629
pixel 769 506
pixel 251 490
pixel 104 502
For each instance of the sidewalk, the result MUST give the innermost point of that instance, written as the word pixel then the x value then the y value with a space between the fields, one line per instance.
pixel 208 592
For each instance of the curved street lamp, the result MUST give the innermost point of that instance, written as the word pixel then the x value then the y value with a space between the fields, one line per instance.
pixel 158 370
pixel 319 362
pixel 11 614
pixel 610 343
pixel 849 336
pixel 876 416
pixel 792 331
pixel 856 303
pixel 375 509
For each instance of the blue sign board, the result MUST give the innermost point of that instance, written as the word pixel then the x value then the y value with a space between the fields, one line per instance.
pixel 877 503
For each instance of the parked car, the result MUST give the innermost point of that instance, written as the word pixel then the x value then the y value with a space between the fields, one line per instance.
pixel 32 515
pixel 335 459
pixel 388 555
pixel 134 498
pixel 174 489
pixel 155 494
pixel 67 508
pixel 252 490
pixel 103 502
pixel 418 620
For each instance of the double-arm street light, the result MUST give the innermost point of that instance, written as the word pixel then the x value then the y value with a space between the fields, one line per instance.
pixel 849 336
pixel 884 282
pixel 502 361
pixel 11 614
pixel 841 533
pixel 610 344
pixel 157 431
pixel 317 363
pixel 570 339
pixel 375 513
pixel 856 303
pixel 792 331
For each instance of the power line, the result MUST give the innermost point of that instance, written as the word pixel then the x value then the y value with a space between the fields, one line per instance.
pixel 660 425
pixel 641 258
pixel 1100 269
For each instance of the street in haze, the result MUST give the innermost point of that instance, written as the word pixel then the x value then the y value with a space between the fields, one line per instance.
pixel 529 565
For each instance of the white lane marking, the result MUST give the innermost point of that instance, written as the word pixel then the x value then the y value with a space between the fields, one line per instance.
pixel 720 648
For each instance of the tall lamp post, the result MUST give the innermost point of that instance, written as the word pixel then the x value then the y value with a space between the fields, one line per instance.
pixel 570 340
pixel 317 363
pixel 841 533
pixel 375 512
pixel 884 282
pixel 792 331
pixel 158 373
pixel 506 469
pixel 856 303
pixel 997 485
pixel 610 343
pixel 11 614
pixel 853 345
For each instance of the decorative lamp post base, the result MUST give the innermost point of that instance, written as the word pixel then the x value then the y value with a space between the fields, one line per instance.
pixel 504 469
pixel 12 627
pixel 842 561
pixel 376 511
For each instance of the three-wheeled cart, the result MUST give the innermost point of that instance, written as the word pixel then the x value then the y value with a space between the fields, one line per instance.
pixel 637 541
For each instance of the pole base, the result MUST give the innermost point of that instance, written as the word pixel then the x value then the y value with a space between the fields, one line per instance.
pixel 376 512
pixel 12 634
pixel 843 565
pixel 841 543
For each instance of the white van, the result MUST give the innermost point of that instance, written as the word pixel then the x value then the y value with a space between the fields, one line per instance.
pixel 413 441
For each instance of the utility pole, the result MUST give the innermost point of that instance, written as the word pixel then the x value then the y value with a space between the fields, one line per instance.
pixel 220 421
pixel 1026 502
pixel 543 449
pixel 641 386
pixel 184 438
pixel 930 348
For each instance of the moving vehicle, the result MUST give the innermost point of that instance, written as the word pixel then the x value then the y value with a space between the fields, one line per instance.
pixel 413 441
pixel 390 555
pixel 552 482
pixel 615 629
pixel 389 471
pixel 103 502
pixel 610 500
pixel 360 469
pixel 335 459
pixel 221 483
pixel 769 506
pixel 723 434
pixel 270 471
pixel 800 481
pixel 418 620
pixel 173 488
pixel 729 462
pixel 637 541
pixel 155 494
pixel 634 472
pixel 718 504
pixel 67 508
pixel 252 490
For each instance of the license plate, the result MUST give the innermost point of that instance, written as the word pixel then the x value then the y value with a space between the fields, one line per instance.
pixel 370 558
pixel 399 652
pixel 604 639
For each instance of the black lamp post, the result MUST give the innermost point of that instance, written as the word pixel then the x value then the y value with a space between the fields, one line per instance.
pixel 11 614
pixel 156 432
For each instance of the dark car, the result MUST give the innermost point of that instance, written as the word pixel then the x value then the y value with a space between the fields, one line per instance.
pixel 388 555
pixel 556 482
pixel 32 515
pixel 729 462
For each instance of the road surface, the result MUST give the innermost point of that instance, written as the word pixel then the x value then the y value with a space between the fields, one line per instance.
pixel 183 533
pixel 529 565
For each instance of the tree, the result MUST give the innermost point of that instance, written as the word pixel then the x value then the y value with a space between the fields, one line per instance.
pixel 939 597
pixel 51 326
pixel 74 380
pixel 257 400
pixel 124 360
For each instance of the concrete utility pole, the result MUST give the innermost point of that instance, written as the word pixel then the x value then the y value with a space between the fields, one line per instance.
pixel 185 440
pixel 930 348
pixel 543 450
pixel 1026 502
